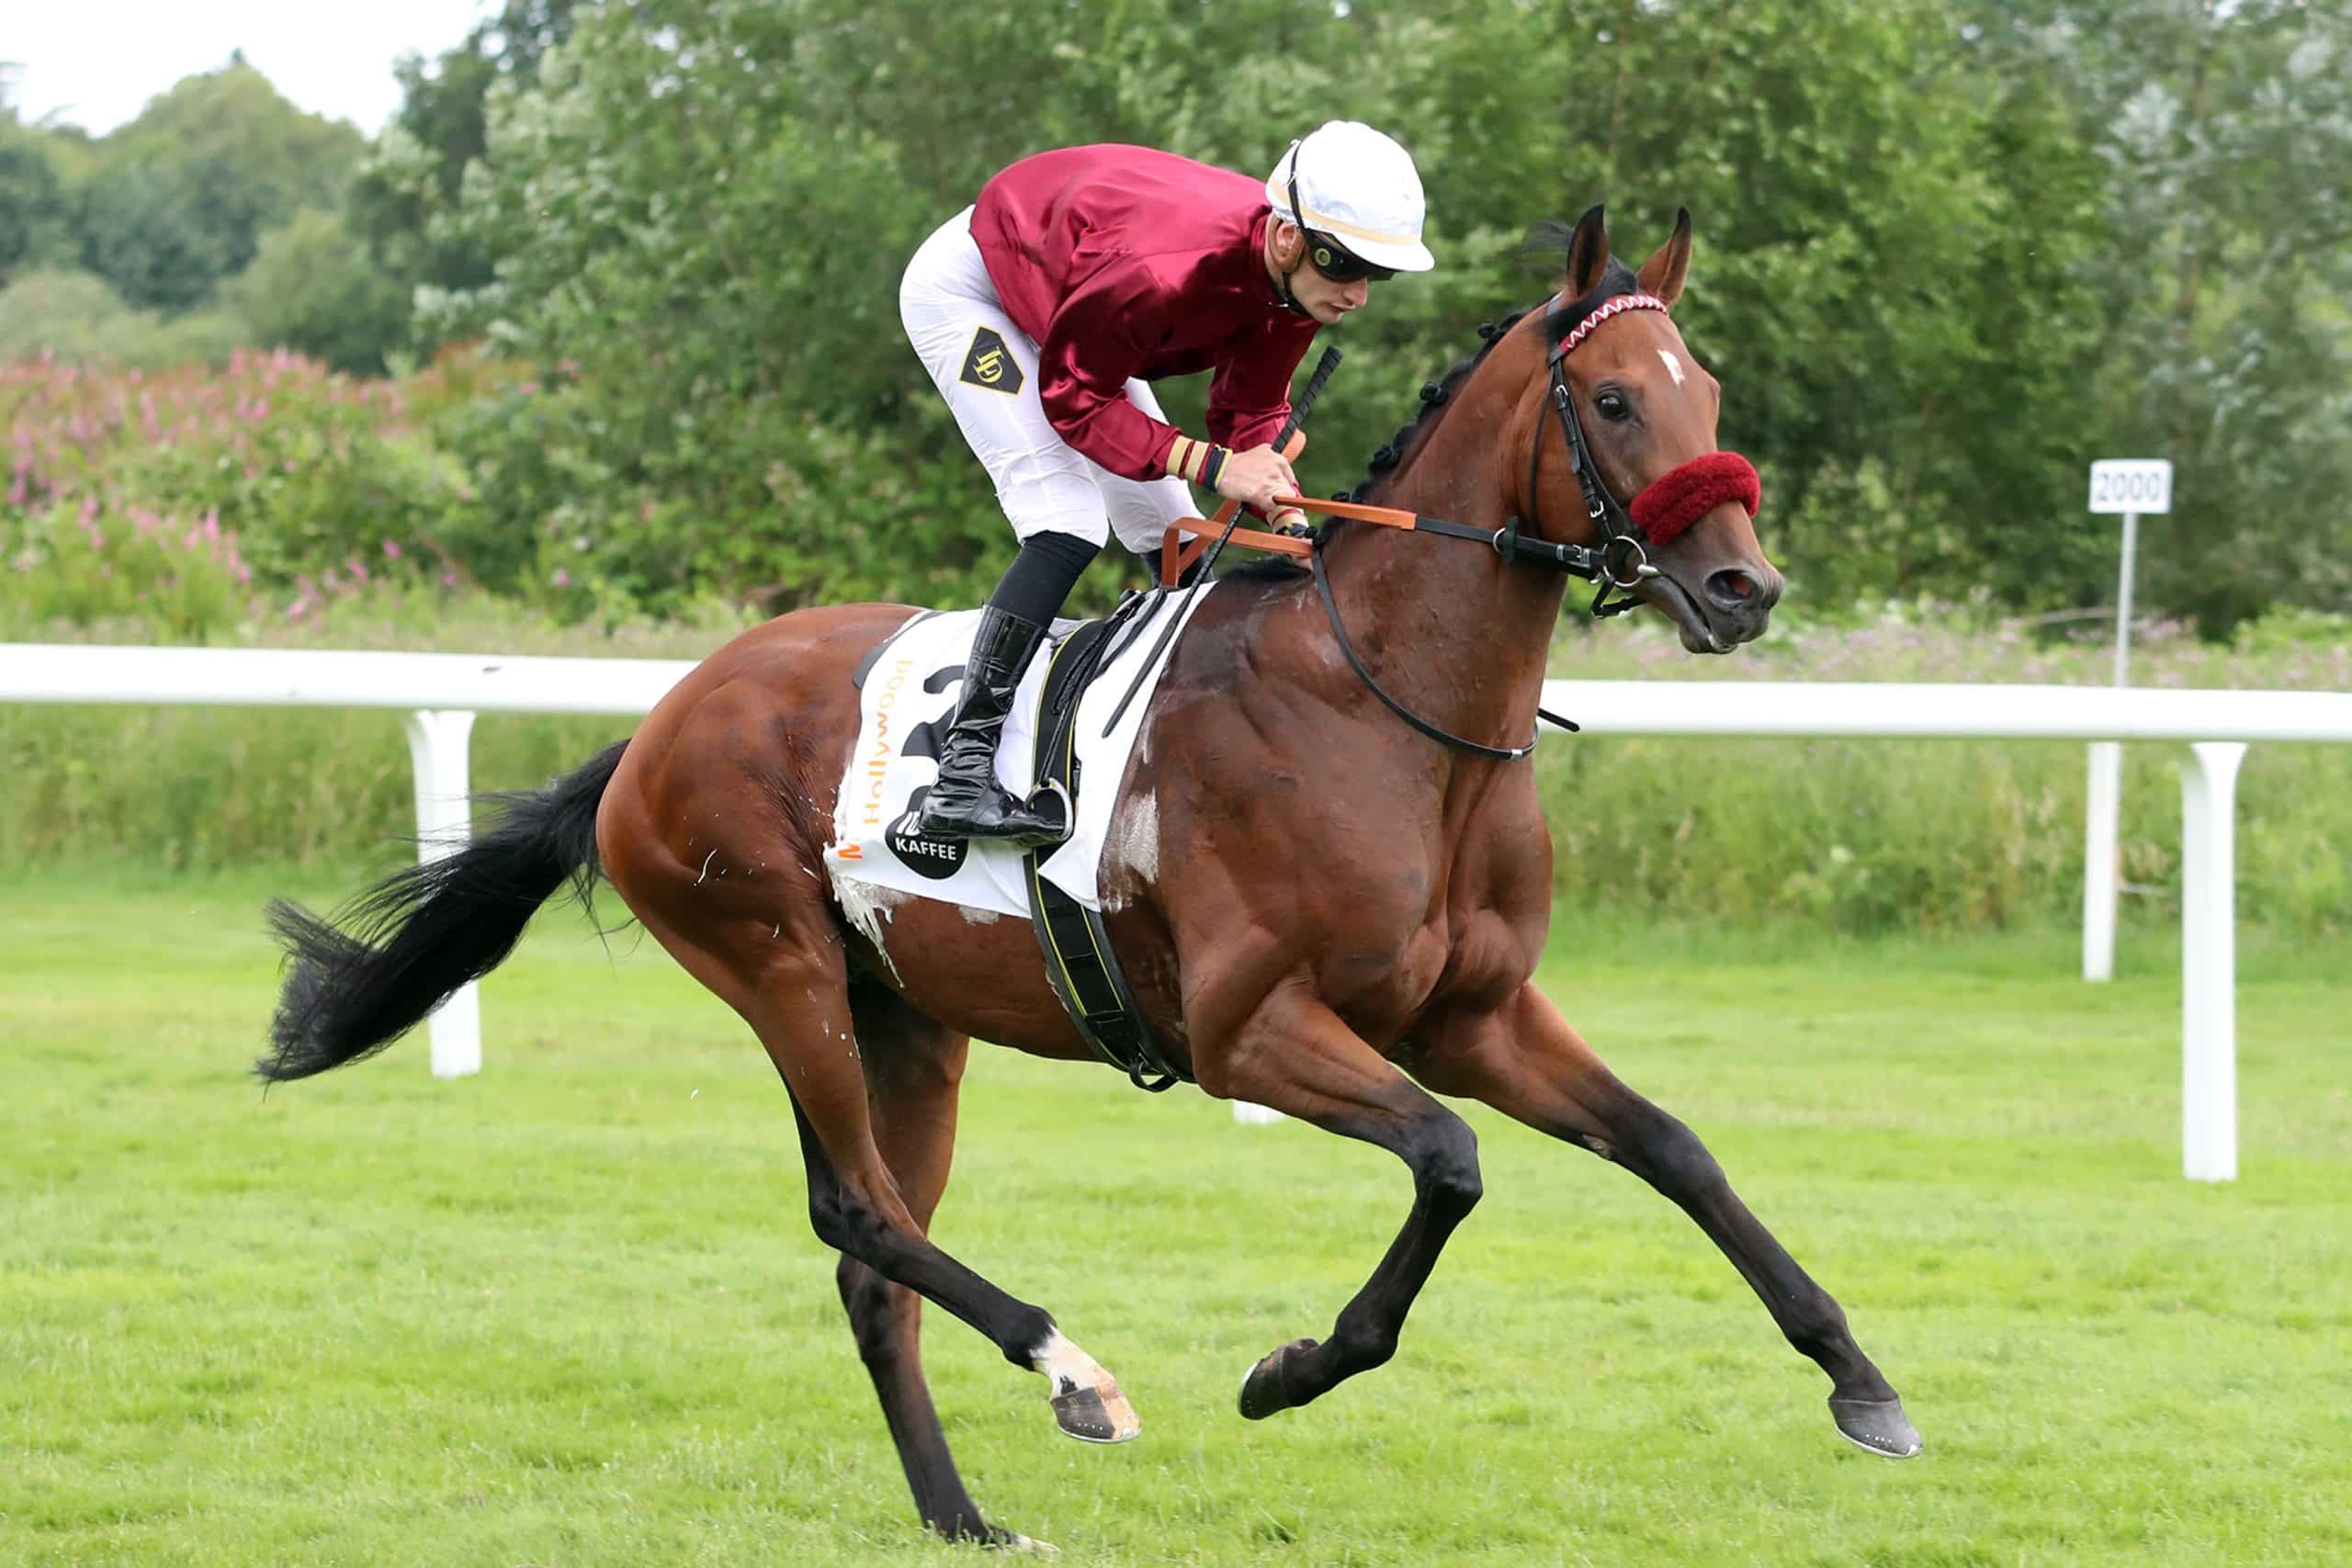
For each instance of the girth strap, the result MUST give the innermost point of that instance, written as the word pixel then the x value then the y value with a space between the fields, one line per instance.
pixel 1075 942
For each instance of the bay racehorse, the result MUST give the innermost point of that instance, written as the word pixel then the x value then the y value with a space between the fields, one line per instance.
pixel 1320 909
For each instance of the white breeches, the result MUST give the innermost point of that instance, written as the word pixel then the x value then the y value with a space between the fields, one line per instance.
pixel 987 369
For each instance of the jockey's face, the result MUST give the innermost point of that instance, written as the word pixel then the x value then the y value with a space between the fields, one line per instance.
pixel 1318 296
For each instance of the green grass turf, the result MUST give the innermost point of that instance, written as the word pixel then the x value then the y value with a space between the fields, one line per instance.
pixel 570 1312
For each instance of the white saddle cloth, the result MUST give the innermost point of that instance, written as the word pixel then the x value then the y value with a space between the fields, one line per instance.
pixel 904 711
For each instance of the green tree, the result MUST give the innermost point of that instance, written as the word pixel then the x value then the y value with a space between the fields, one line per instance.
pixel 32 200
pixel 312 286
pixel 1907 242
pixel 2222 290
pixel 177 199
pixel 404 194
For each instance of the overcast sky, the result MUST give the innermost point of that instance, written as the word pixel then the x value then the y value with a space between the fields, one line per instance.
pixel 96 63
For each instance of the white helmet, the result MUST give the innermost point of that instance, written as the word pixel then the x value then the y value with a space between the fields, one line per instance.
pixel 1358 186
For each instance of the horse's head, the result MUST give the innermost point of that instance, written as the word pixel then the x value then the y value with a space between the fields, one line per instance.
pixel 1623 387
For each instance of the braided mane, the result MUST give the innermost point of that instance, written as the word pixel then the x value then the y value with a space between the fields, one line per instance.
pixel 1434 397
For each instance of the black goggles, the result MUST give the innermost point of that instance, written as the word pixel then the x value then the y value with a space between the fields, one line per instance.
pixel 1342 266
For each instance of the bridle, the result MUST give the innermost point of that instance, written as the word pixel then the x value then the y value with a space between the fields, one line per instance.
pixel 1620 562
pixel 1623 558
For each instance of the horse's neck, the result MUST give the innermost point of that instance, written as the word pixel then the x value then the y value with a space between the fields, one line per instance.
pixel 1449 628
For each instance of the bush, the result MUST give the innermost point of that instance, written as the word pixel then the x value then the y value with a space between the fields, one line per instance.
pixel 311 470
pixel 180 581
pixel 74 316
pixel 1871 835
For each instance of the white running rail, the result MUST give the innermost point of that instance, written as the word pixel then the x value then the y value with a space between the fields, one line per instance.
pixel 440 693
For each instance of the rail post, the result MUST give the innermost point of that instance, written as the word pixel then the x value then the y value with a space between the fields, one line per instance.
pixel 2209 961
pixel 438 743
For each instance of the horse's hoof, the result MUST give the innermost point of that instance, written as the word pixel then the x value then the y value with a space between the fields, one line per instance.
pixel 1877 1425
pixel 1087 1402
pixel 1262 1391
pixel 1094 1413
pixel 1003 1539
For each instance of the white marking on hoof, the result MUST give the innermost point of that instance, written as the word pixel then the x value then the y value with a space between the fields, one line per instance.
pixel 1071 1375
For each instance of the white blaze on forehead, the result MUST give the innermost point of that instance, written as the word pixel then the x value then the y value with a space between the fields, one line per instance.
pixel 1673 365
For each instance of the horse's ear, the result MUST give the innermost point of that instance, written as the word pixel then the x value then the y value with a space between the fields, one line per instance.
pixel 1662 274
pixel 1588 251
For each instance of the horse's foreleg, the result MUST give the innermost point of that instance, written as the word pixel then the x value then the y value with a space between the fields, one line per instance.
pixel 1295 1055
pixel 1529 1063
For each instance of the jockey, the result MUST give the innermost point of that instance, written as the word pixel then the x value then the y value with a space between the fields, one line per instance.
pixel 1045 310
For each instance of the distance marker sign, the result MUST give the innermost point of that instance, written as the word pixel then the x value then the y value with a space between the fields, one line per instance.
pixel 2131 484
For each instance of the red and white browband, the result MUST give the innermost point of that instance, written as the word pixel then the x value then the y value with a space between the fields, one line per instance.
pixel 1680 497
pixel 1616 305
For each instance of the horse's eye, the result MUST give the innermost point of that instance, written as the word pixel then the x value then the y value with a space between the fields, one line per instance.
pixel 1613 406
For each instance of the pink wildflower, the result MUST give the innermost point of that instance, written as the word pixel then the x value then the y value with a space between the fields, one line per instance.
pixel 563 578
pixel 391 550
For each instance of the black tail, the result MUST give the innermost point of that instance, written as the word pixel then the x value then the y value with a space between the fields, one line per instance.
pixel 409 942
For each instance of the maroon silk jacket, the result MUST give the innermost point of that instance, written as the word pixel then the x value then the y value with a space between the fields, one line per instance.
pixel 1123 262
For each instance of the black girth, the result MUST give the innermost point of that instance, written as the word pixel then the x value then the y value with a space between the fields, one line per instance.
pixel 1073 939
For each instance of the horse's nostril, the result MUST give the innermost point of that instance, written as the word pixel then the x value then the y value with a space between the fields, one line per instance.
pixel 1739 593
pixel 1731 590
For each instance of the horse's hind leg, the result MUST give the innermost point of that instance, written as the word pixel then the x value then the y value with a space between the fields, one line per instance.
pixel 1527 1062
pixel 741 905
pixel 799 1007
pixel 913 1069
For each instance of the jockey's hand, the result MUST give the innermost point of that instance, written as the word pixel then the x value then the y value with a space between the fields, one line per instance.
pixel 1254 478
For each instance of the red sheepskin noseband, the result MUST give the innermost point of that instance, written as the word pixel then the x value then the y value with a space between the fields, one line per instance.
pixel 1682 497
pixel 1690 491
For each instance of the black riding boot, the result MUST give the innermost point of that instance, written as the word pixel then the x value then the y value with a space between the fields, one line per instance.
pixel 968 802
